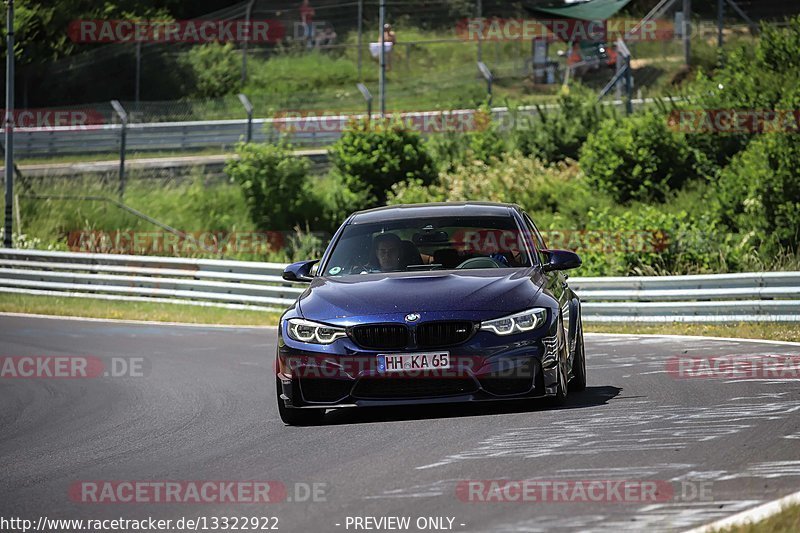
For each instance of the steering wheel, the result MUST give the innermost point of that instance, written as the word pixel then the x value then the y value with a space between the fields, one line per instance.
pixel 479 262
pixel 359 269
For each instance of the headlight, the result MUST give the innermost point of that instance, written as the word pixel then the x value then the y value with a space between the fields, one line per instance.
pixel 516 323
pixel 307 331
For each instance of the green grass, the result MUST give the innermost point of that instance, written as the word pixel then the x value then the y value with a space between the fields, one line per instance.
pixel 158 312
pixel 787 521
pixel 191 205
pixel 205 208
pixel 114 156
pixel 429 71
pixel 743 330
pixel 95 308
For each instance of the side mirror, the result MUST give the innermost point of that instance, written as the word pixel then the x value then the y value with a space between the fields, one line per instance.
pixel 561 260
pixel 300 271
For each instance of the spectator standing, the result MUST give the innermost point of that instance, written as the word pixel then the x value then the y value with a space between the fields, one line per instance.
pixel 389 36
pixel 307 20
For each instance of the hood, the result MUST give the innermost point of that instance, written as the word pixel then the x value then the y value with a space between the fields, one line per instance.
pixel 489 291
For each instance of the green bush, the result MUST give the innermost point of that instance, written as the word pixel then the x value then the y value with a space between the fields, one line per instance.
pixel 759 192
pixel 304 244
pixel 539 188
pixel 750 78
pixel 637 158
pixel 274 183
pixel 370 157
pixel 216 70
pixel 649 240
pixel 336 201
pixel 558 135
pixel 483 142
pixel 448 149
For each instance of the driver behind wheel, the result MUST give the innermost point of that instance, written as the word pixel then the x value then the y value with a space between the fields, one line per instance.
pixel 388 248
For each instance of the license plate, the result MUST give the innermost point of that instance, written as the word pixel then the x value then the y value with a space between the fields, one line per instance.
pixel 408 362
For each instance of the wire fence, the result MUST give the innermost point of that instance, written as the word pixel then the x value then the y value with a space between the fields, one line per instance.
pixel 323 53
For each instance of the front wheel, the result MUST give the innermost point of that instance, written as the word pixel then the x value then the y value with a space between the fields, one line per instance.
pixel 578 382
pixel 296 417
pixel 560 396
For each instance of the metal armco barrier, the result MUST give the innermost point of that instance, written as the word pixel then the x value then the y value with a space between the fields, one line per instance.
pixel 746 297
pixel 741 297
pixel 233 284
pixel 304 132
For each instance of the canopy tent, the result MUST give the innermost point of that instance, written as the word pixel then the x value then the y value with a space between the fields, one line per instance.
pixel 588 10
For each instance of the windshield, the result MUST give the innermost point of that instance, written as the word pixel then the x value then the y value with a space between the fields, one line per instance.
pixel 437 243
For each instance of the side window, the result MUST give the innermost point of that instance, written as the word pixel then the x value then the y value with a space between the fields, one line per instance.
pixel 537 238
pixel 536 235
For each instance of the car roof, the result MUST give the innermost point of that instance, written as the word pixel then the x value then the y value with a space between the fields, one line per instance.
pixel 434 209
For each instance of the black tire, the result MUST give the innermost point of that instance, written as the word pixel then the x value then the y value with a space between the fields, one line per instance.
pixel 578 382
pixel 297 417
pixel 560 396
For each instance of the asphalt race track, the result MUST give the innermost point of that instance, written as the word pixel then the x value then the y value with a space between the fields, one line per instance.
pixel 202 407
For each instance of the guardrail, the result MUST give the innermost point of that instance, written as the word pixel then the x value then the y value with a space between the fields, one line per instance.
pixel 208 282
pixel 769 296
pixel 304 131
pixel 741 297
pixel 213 166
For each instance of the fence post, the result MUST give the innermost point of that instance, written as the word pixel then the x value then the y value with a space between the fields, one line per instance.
pixel 487 75
pixel 123 116
pixel 368 97
pixel 360 34
pixel 382 79
pixel 687 29
pixel 9 127
pixel 628 86
pixel 479 9
pixel 138 74
pixel 248 107
pixel 248 13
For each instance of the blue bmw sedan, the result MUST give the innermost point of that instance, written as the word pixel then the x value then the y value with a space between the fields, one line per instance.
pixel 430 303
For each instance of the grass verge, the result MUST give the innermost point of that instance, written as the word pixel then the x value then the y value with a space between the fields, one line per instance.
pixel 157 312
pixel 787 521
pixel 778 331
pixel 87 307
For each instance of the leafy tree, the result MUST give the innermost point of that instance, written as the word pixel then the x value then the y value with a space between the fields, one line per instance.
pixel 215 70
pixel 759 192
pixel 275 185
pixel 638 158
pixel 370 157
pixel 558 135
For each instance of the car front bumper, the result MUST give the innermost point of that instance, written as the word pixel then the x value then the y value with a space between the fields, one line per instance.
pixel 485 368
